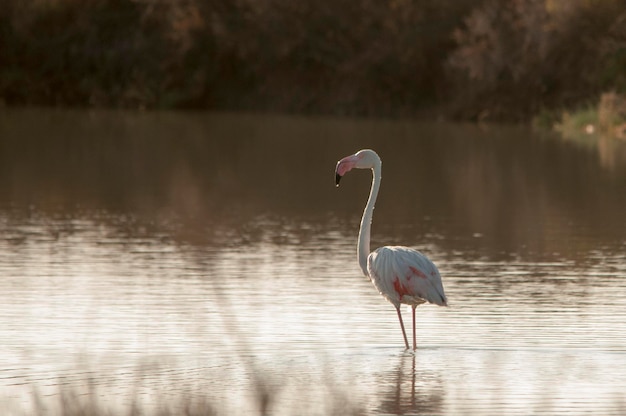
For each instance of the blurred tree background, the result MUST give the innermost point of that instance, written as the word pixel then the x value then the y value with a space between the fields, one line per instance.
pixel 463 59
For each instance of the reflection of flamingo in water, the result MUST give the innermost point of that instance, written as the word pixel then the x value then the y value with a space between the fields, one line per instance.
pixel 412 388
pixel 401 274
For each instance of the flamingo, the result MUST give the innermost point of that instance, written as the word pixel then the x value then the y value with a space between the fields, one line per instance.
pixel 402 275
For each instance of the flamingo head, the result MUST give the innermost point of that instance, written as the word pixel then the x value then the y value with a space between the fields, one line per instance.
pixel 363 159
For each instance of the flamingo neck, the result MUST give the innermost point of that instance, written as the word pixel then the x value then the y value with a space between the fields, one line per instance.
pixel 363 245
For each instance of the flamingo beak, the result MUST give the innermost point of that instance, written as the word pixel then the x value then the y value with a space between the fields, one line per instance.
pixel 343 166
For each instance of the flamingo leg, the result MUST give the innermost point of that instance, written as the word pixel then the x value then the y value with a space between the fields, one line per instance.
pixel 414 343
pixel 406 342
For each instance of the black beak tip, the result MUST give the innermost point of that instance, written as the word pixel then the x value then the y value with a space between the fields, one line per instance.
pixel 337 179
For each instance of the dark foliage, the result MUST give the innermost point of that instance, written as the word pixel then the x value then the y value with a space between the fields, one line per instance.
pixel 498 59
pixel 516 58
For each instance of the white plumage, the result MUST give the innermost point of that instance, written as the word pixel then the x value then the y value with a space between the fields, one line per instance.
pixel 402 275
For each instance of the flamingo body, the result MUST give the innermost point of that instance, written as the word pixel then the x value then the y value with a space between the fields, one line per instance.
pixel 402 275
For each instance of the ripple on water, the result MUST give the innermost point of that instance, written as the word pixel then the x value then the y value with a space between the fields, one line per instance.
pixel 151 319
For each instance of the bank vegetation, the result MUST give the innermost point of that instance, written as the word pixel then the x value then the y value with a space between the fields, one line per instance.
pixel 461 59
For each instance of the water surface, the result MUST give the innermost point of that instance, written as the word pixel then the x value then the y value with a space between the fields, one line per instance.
pixel 157 259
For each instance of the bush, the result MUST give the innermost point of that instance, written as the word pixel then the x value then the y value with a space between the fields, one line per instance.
pixel 343 57
pixel 516 57
pixel 498 59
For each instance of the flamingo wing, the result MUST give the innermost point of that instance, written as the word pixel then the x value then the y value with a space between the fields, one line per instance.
pixel 404 275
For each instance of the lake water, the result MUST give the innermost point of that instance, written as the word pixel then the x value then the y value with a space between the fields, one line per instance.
pixel 161 260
